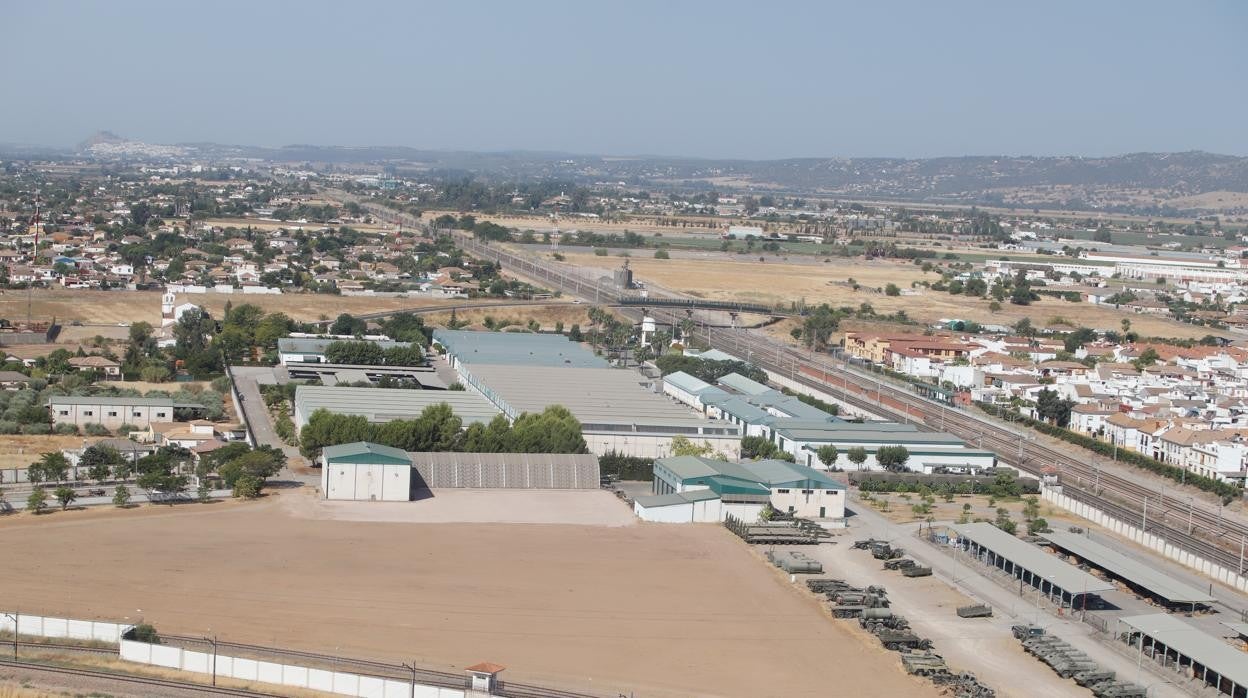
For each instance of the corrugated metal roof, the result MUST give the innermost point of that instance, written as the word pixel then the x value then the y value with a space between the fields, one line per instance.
pixel 1239 628
pixel 684 381
pixel 712 355
pixel 676 498
pixel 595 396
pixel 364 448
pixel 779 472
pixel 516 348
pixel 311 345
pixel 743 385
pixel 1200 646
pixel 111 400
pixel 385 404
pixel 1038 562
pixel 1136 572
pixel 456 458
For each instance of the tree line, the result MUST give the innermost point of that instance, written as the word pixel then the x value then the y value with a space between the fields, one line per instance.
pixel 438 428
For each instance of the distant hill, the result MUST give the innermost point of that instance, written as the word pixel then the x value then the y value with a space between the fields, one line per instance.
pixel 1134 183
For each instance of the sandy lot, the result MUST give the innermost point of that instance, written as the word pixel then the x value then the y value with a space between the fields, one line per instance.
pixel 776 281
pixel 20 450
pixel 654 610
pixel 111 307
pixel 574 507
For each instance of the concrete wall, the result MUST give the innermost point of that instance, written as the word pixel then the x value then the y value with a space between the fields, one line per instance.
pixel 706 511
pixel 40 626
pixel 807 505
pixel 137 415
pixel 654 446
pixel 337 682
pixel 1157 543
pixel 367 482
pixel 518 475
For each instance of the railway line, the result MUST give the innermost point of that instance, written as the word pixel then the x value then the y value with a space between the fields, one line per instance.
pixel 1196 527
pixel 165 686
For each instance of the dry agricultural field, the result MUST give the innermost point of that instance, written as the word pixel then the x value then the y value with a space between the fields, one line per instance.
pixel 733 277
pixel 657 610
pixel 112 307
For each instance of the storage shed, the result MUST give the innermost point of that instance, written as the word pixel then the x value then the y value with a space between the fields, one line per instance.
pixel 364 471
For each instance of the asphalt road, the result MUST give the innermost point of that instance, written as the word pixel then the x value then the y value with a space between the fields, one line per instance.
pixel 257 416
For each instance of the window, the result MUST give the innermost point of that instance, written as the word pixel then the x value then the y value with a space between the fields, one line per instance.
pixel 64 413
pixel 782 491
pixel 808 491
pixel 112 413
pixel 160 414
pixel 829 492
pixel 87 413
pixel 136 413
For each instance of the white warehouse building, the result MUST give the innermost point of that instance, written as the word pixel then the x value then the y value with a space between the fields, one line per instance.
pixel 364 471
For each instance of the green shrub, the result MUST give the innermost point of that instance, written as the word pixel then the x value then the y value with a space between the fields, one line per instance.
pixel 7 427
pixel 37 429
pixel 66 428
pixel 94 429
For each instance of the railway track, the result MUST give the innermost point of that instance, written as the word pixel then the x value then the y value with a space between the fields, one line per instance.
pixel 1196 527
pixel 131 679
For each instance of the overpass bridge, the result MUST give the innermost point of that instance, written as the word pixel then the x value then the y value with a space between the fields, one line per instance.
pixel 736 307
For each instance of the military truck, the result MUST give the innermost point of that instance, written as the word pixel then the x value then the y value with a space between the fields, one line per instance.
pixel 1022 632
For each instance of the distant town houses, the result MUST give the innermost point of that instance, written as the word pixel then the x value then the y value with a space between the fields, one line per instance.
pixel 1183 406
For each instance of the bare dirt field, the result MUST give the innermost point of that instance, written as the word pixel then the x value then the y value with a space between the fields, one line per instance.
pixel 776 281
pixel 20 450
pixel 112 307
pixel 575 507
pixel 654 610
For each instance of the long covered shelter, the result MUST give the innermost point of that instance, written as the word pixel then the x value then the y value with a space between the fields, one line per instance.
pixel 1135 573
pixel 1061 582
pixel 1187 650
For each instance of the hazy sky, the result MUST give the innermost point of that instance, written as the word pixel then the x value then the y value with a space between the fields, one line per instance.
pixel 713 79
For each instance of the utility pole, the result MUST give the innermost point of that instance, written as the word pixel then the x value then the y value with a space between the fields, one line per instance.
pixel 412 668
pixel 15 615
pixel 213 641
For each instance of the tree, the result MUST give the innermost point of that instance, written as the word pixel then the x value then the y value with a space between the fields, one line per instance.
pixel 1147 358
pixel 892 458
pixel 891 289
pixel 51 467
pixel 1004 522
pixel 121 497
pixel 1052 408
pixel 203 493
pixel 662 254
pixel 247 487
pixel 994 307
pixel 99 461
pixel 682 446
pixel 1024 328
pixel 857 455
pixel 1031 508
pixel 410 355
pixel 37 501
pixel 827 455
pixel 65 495
pixel 262 463
pixel 360 353
pixel 1037 525
pixel 348 325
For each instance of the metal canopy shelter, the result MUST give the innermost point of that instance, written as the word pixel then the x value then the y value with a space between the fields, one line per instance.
pixel 1138 573
pixel 1183 647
